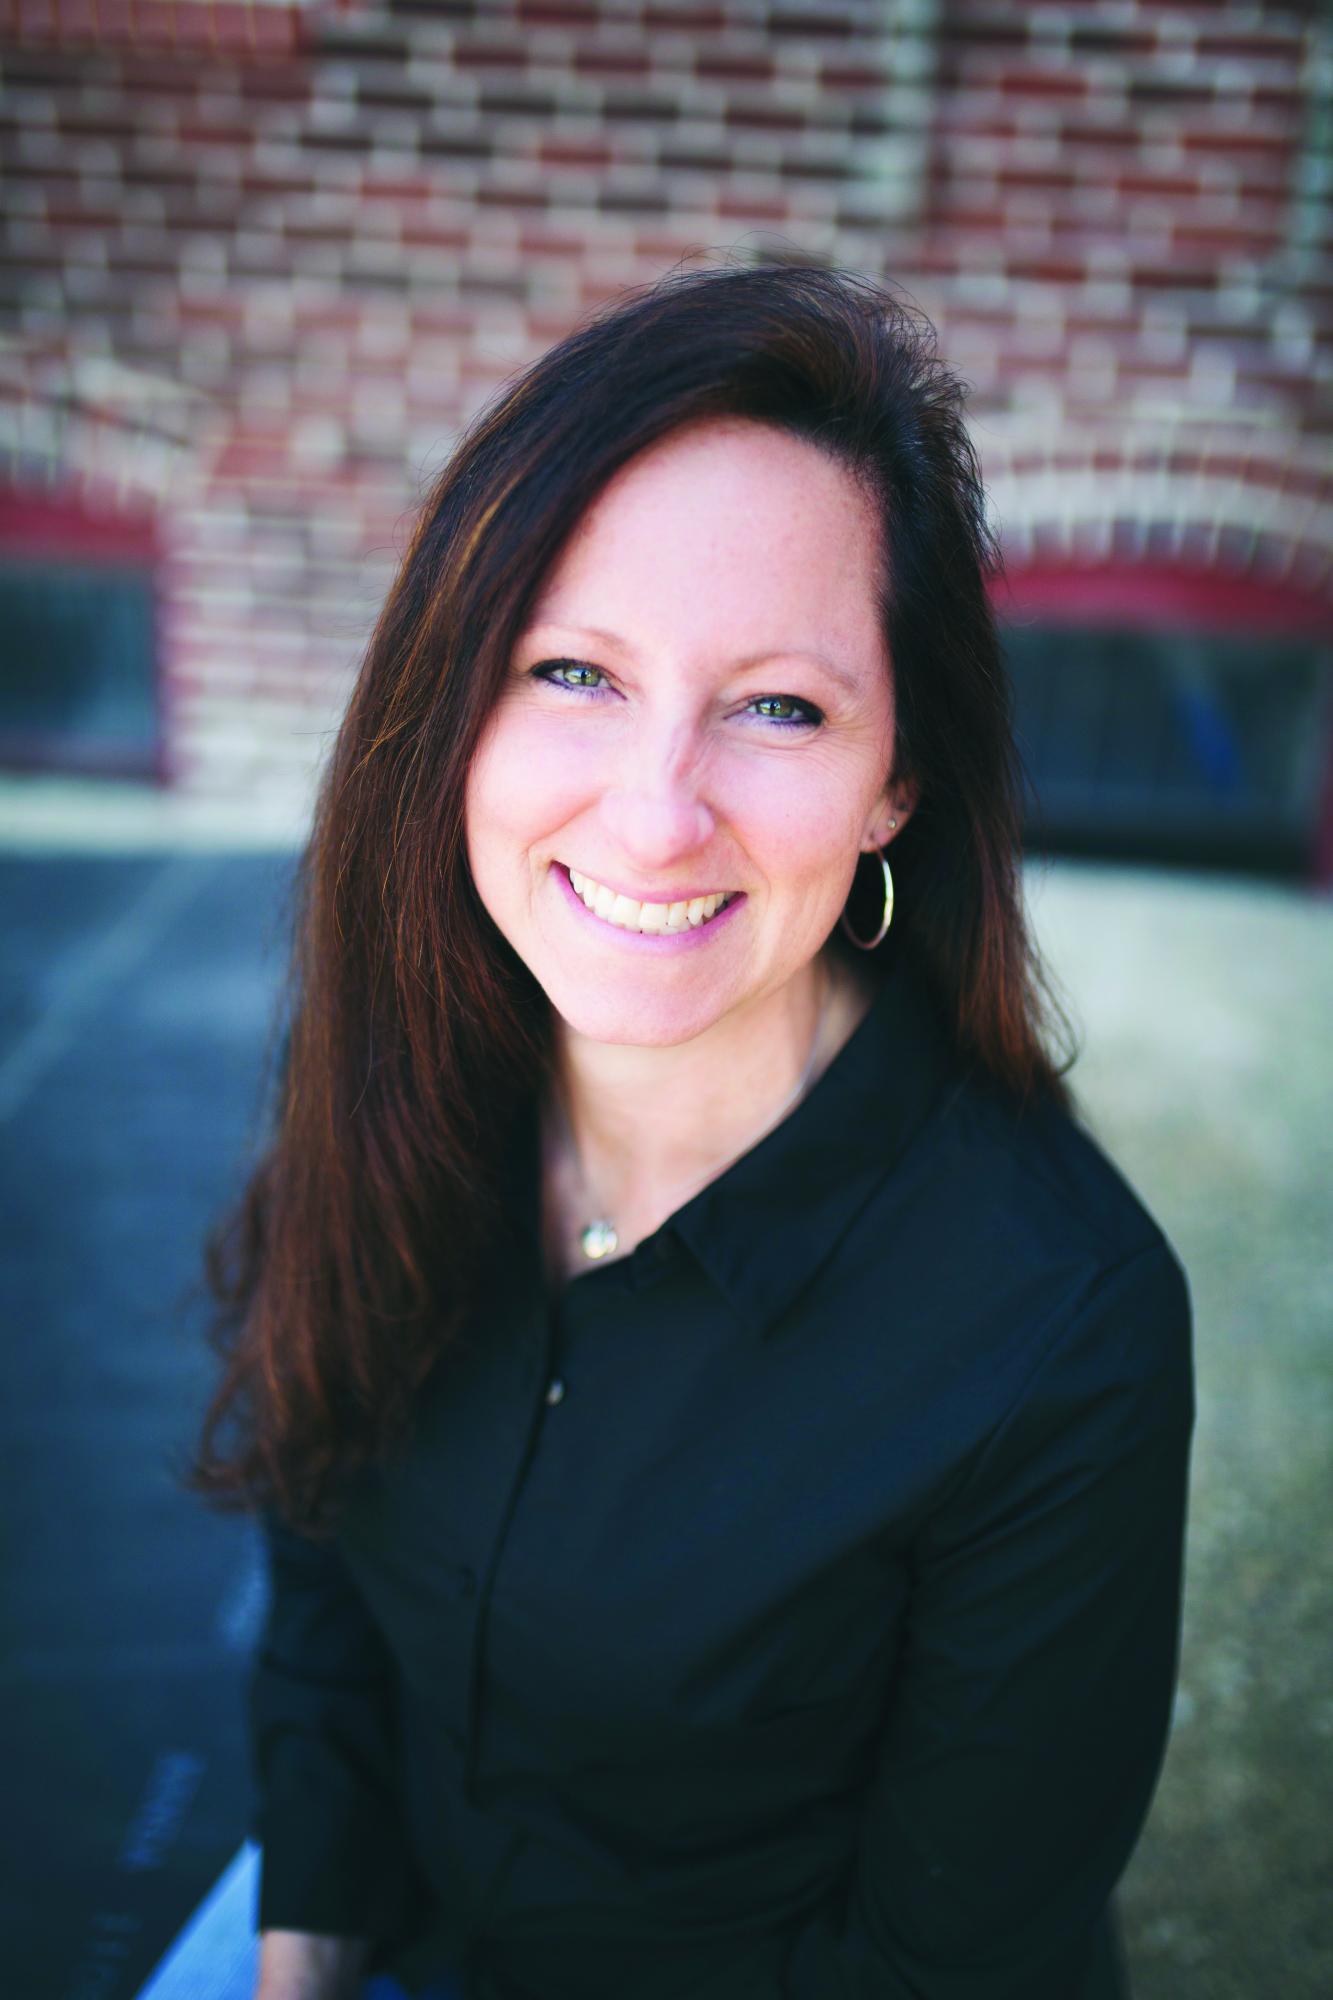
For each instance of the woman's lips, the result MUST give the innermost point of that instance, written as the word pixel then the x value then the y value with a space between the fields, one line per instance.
pixel 647 940
pixel 633 896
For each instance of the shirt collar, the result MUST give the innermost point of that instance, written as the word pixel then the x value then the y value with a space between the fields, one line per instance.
pixel 762 1230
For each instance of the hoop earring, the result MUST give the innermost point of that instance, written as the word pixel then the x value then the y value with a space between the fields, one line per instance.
pixel 868 944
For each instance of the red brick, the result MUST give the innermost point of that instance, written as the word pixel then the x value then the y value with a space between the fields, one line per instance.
pixel 402 191
pixel 489 55
pixel 1240 140
pixel 1022 178
pixel 633 201
pixel 641 106
pixel 978 219
pixel 576 152
pixel 345 140
pixel 1223 241
pixel 686 20
pixel 983 33
pixel 363 39
pixel 758 117
pixel 372 96
pixel 612 62
pixel 839 76
pixel 658 247
pixel 1279 101
pixel 1031 81
pixel 278 82
pixel 557 13
pixel 1094 38
pixel 1046 270
pixel 518 100
pixel 196 131
pixel 78 124
pixel 457 146
pixel 1168 374
pixel 1226 45
pixel 69 213
pixel 1139 182
pixel 535 240
pixel 752 208
pixel 1172 276
pixel 812 25
pixel 515 197
pixel 224 309
pixel 435 322
pixel 723 68
pixel 696 159
pixel 433 236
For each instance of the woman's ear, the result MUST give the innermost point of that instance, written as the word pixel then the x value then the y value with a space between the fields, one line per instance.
pixel 892 813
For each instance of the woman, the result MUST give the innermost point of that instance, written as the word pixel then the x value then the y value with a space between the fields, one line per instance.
pixel 720 1425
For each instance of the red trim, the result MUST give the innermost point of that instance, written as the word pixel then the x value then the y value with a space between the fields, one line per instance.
pixel 61 529
pixel 1158 596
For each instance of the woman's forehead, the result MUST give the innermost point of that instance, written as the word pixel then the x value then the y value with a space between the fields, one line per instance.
pixel 730 520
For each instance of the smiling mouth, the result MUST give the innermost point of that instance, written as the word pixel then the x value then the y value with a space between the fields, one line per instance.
pixel 653 919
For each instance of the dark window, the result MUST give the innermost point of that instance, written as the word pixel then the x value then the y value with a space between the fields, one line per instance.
pixel 1171 745
pixel 77 669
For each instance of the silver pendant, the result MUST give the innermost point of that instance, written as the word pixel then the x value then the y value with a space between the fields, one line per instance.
pixel 599 1239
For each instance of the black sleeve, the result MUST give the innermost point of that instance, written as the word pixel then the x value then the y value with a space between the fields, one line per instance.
pixel 322 1735
pixel 1028 1722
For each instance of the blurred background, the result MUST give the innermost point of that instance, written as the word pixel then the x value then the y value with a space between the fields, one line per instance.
pixel 259 263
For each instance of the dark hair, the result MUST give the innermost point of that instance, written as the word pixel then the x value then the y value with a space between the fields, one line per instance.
pixel 361 1242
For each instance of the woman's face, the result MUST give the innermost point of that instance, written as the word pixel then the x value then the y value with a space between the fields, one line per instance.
pixel 700 705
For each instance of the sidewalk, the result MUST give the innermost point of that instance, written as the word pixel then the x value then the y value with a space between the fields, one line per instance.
pixel 1207 1006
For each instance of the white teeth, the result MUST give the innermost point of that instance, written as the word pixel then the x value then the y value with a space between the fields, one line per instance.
pixel 656 918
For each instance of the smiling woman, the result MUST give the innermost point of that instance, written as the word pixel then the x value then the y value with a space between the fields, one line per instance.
pixel 720 1425
pixel 733 741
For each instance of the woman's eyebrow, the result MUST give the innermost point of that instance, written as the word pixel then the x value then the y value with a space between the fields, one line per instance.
pixel 601 636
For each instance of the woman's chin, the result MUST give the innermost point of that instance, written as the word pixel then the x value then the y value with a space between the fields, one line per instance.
pixel 640 1019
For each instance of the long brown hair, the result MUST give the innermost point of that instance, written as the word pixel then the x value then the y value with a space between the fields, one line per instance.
pixel 415 1032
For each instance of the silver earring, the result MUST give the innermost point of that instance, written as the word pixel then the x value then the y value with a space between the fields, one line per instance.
pixel 868 944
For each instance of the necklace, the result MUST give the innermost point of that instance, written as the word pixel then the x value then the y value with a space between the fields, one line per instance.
pixel 599 1237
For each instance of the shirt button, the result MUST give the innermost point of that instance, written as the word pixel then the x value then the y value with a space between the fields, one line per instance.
pixel 466 1581
pixel 555 1393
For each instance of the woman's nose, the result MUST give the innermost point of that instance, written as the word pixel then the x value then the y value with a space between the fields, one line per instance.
pixel 654 813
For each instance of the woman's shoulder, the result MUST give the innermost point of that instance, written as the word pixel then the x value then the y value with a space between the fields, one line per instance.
pixel 1042 1176
pixel 977 1162
pixel 1015 1250
pixel 1033 1287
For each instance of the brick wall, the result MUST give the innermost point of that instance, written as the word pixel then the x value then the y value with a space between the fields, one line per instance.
pixel 261 261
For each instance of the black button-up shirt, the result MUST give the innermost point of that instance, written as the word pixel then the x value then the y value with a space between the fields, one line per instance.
pixel 790 1607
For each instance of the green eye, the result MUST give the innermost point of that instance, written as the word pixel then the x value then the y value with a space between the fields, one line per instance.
pixel 578 677
pixel 548 668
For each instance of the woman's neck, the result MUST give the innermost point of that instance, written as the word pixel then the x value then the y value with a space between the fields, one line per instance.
pixel 710 1098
